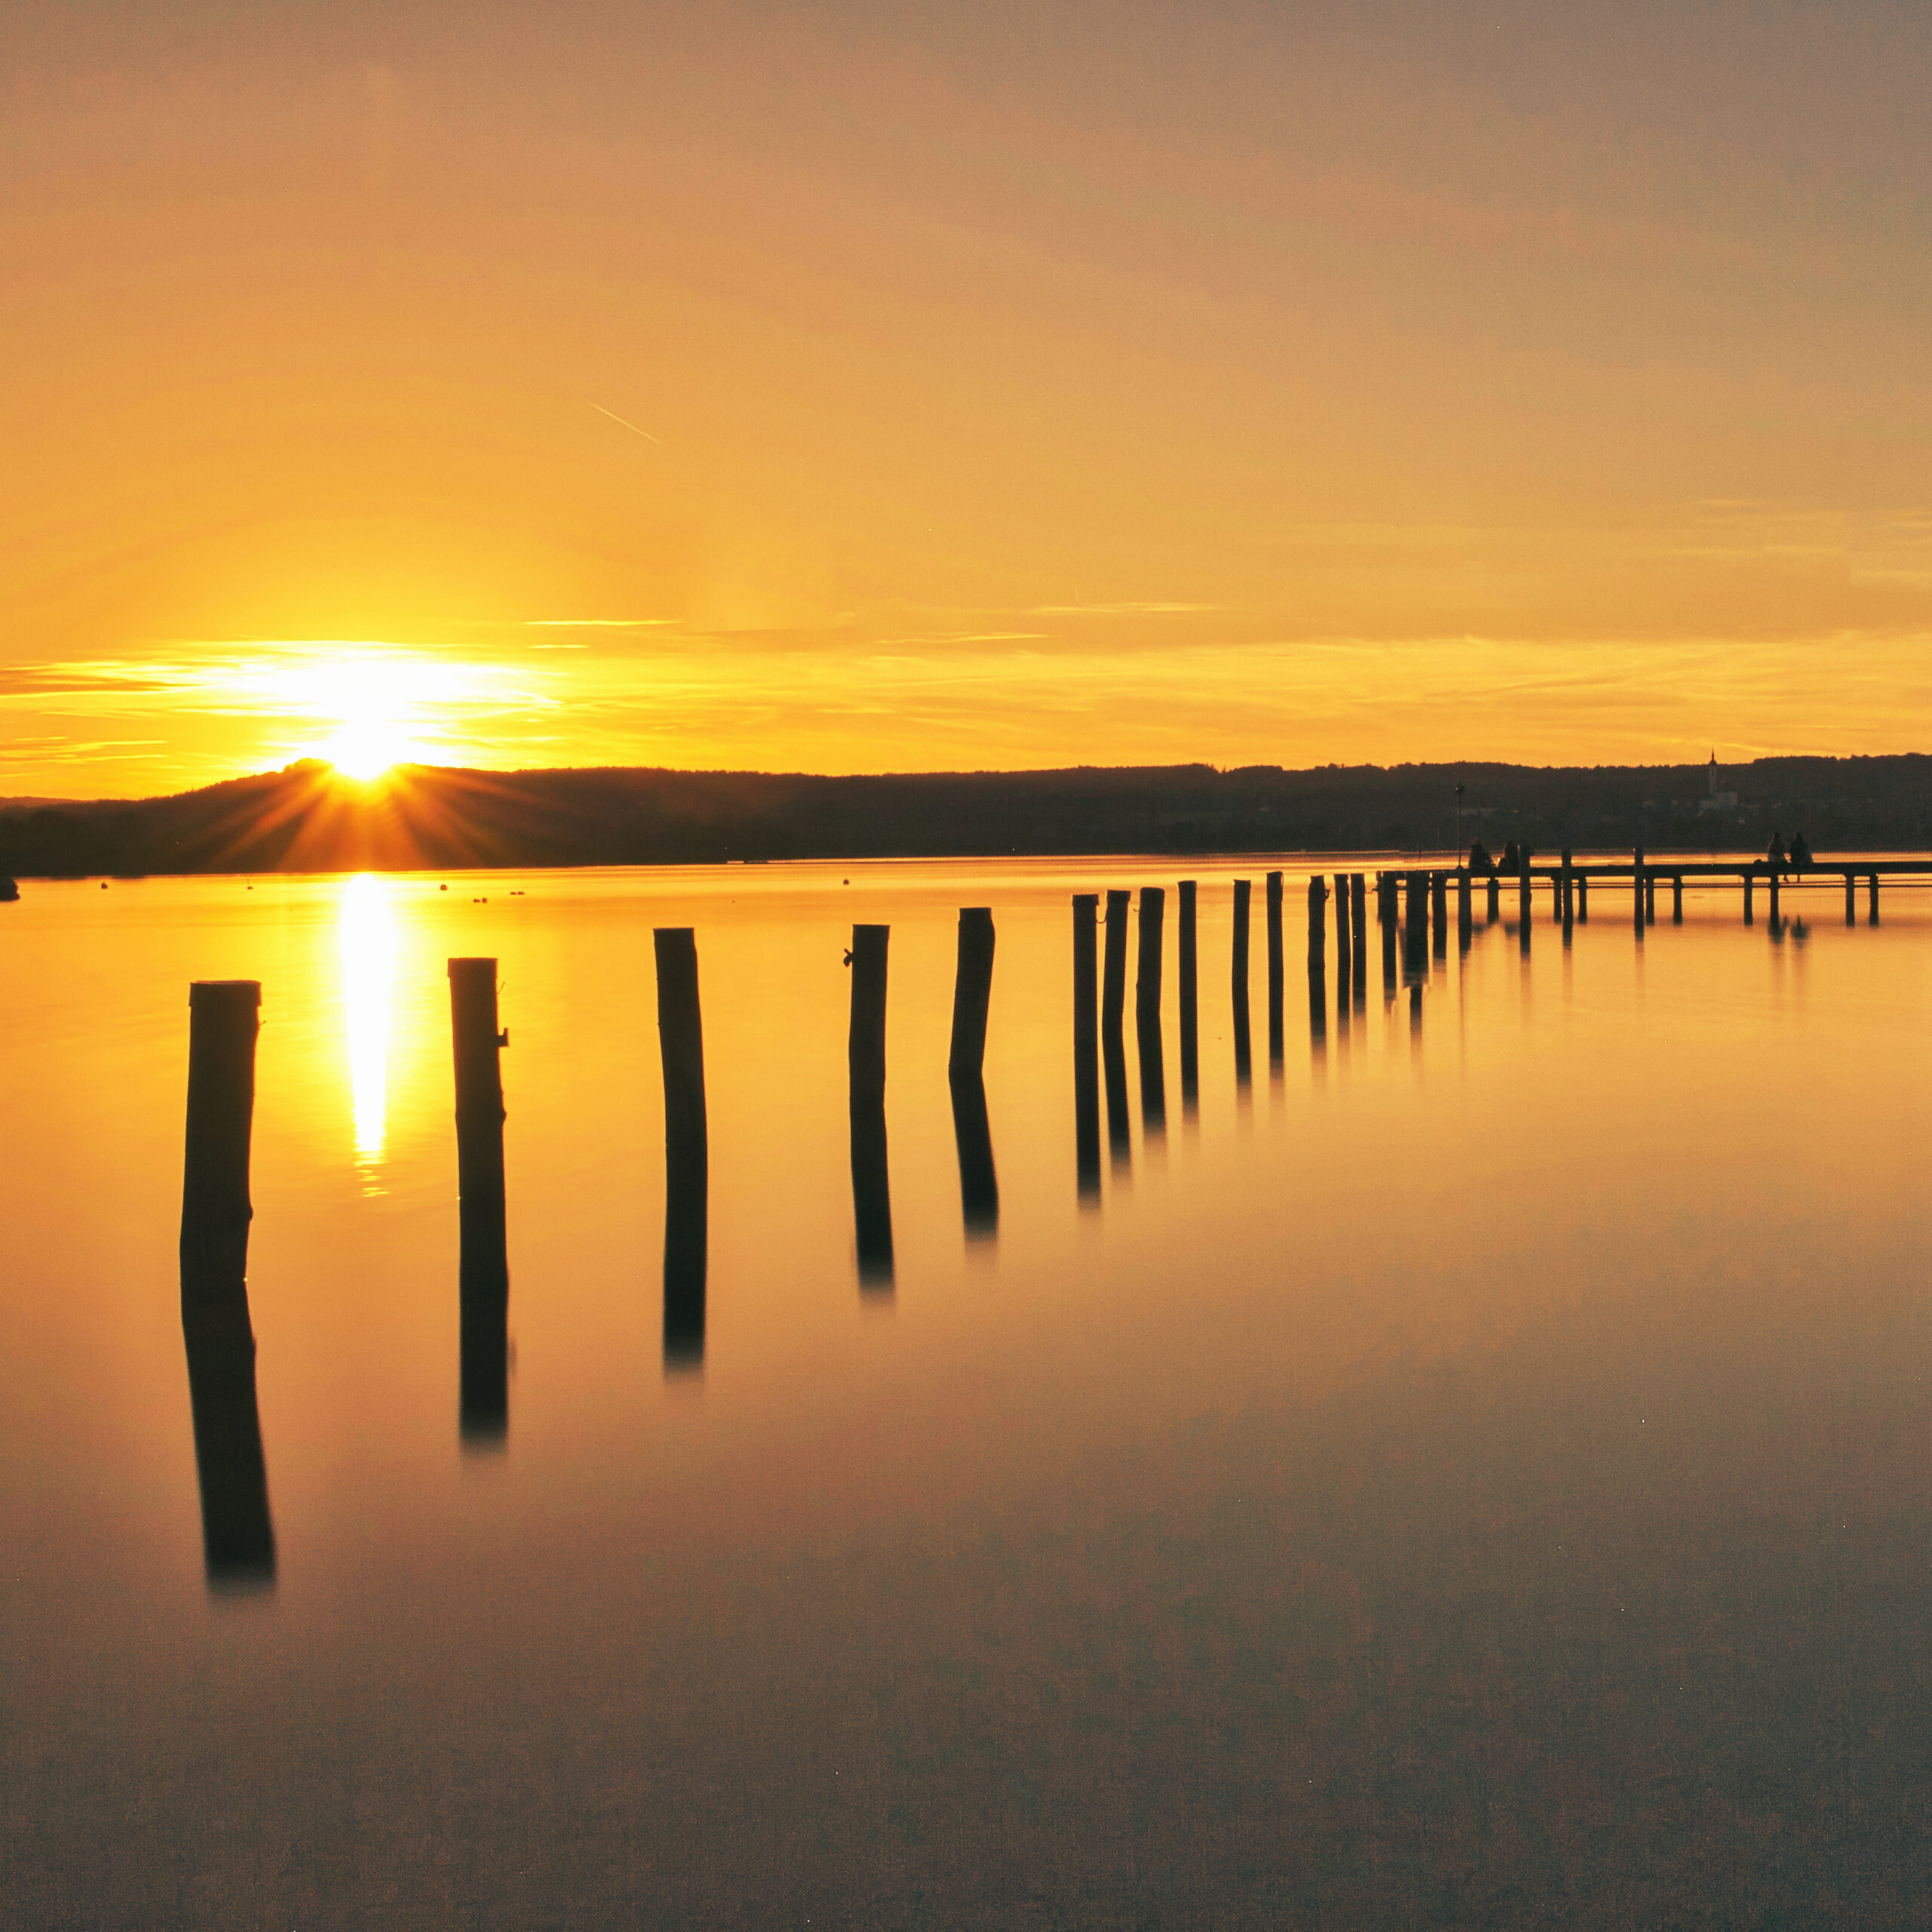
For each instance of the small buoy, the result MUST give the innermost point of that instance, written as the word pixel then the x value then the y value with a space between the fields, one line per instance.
pixel 442 888
pixel 844 881
pixel 103 885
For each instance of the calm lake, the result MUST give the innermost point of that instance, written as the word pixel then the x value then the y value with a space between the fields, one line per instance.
pixel 1477 1473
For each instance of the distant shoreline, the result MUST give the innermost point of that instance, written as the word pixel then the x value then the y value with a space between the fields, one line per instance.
pixel 304 819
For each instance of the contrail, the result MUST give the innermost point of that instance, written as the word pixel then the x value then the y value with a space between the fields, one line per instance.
pixel 631 427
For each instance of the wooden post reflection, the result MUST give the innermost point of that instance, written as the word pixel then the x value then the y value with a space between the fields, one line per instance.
pixel 1086 1049
pixel 238 1533
pixel 687 1146
pixel 872 1193
pixel 979 1184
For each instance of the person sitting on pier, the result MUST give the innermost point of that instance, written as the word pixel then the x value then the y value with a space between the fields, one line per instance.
pixel 1479 859
pixel 1777 858
pixel 1801 852
pixel 1512 859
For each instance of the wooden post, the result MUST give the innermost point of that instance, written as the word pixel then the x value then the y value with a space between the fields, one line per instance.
pixel 1677 899
pixel 1494 910
pixel 1086 1056
pixel 1523 890
pixel 237 1532
pixel 687 1146
pixel 1343 951
pixel 1566 902
pixel 1189 991
pixel 483 1275
pixel 1775 883
pixel 1385 894
pixel 1750 888
pixel 1274 969
pixel 972 990
pixel 1583 899
pixel 1113 985
pixel 1637 890
pixel 1238 976
pixel 865 1045
pixel 1147 981
pixel 223 1020
pixel 1439 904
pixel 1649 899
pixel 1415 948
pixel 1318 956
pixel 865 1054
pixel 1872 904
pixel 1851 899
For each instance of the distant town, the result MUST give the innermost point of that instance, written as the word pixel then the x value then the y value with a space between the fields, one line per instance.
pixel 308 818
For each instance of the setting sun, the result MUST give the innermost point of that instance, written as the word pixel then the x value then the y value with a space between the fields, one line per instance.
pixel 365 748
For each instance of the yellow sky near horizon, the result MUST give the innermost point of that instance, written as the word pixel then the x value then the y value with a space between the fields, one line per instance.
pixel 848 389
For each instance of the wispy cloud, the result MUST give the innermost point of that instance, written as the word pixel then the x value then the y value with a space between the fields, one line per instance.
pixel 1121 610
pixel 597 624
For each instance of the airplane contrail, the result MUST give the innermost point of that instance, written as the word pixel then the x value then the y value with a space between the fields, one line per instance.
pixel 631 427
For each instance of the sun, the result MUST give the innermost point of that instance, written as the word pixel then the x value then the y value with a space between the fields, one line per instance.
pixel 365 748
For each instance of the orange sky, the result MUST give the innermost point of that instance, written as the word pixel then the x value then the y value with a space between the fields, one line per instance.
pixel 900 386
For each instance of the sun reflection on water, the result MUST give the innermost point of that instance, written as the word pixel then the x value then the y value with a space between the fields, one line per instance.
pixel 366 930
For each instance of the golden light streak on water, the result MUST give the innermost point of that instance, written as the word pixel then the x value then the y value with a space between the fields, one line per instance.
pixel 367 929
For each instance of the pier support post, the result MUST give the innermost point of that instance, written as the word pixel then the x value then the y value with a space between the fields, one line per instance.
pixel 1147 978
pixel 1274 969
pixel 865 1053
pixel 687 1146
pixel 1851 899
pixel 1438 907
pixel 1677 899
pixel 1086 1048
pixel 1567 896
pixel 973 985
pixel 1113 984
pixel 1415 949
pixel 238 1533
pixel 1871 911
pixel 1637 890
pixel 1385 898
pixel 1523 892
pixel 1464 924
pixel 483 1264
pixel 1189 990
pixel 1344 951
pixel 1239 981
pixel 1775 883
pixel 1750 891
pixel 1494 911
pixel 1318 957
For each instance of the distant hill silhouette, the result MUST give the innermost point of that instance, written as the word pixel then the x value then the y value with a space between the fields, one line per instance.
pixel 304 819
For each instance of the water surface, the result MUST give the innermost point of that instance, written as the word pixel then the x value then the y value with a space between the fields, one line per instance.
pixel 1477 1471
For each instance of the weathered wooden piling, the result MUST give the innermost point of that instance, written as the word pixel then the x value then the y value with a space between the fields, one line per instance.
pixel 1439 904
pixel 237 1532
pixel 1465 918
pixel 1677 899
pixel 1086 1049
pixel 224 1020
pixel 1344 951
pixel 1318 957
pixel 972 991
pixel 865 1043
pixel 1238 978
pixel 1415 936
pixel 1637 890
pixel 1385 894
pixel 1776 884
pixel 1358 921
pixel 1582 898
pixel 687 1146
pixel 1750 889
pixel 1493 910
pixel 1851 899
pixel 1649 899
pixel 1566 900
pixel 865 1054
pixel 1872 913
pixel 1276 1045
pixel 1147 980
pixel 1113 982
pixel 1523 890
pixel 1188 988
pixel 483 1271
